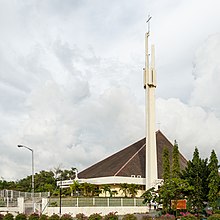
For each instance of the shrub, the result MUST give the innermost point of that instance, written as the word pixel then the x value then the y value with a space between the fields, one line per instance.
pixel 129 217
pixel 21 216
pixel 8 216
pixel 54 217
pixel 167 216
pixel 1 216
pixel 188 217
pixel 43 217
pixel 81 216
pixel 147 217
pixel 111 216
pixel 34 216
pixel 214 217
pixel 95 216
pixel 66 217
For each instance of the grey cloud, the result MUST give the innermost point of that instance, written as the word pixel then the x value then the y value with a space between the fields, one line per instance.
pixel 190 126
pixel 72 71
pixel 207 75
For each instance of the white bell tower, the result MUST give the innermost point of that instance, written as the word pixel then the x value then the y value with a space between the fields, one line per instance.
pixel 150 86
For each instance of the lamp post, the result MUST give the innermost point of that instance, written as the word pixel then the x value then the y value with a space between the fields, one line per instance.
pixel 61 197
pixel 60 184
pixel 32 181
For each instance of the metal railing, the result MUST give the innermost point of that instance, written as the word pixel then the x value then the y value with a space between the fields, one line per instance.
pixel 7 202
pixel 95 202
pixel 16 194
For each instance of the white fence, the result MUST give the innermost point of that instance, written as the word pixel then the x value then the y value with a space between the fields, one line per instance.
pixel 92 205
pixel 16 194
pixel 73 205
pixel 95 201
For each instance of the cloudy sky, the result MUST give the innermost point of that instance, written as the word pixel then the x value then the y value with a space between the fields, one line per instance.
pixel 71 79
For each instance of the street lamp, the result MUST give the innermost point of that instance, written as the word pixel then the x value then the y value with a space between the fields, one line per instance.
pixel 32 181
pixel 60 183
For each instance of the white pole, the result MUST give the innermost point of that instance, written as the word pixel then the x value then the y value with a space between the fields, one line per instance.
pixel 150 85
pixel 32 179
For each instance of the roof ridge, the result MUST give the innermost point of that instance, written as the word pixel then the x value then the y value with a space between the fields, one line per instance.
pixel 130 159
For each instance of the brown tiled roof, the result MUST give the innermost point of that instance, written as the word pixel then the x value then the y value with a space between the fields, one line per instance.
pixel 131 160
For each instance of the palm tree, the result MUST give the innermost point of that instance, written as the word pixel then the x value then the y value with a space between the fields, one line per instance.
pixel 106 188
pixel 124 188
pixel 149 195
pixel 65 174
pixel 133 189
pixel 72 173
pixel 114 193
pixel 89 189
pixel 75 188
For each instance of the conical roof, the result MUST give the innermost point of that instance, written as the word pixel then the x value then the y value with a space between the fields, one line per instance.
pixel 131 160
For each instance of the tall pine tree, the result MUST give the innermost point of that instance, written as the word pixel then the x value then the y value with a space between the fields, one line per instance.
pixel 174 188
pixel 193 175
pixel 175 161
pixel 213 180
pixel 166 164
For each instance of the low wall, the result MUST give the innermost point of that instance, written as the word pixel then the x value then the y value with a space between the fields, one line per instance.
pixel 15 209
pixel 101 210
pixel 46 209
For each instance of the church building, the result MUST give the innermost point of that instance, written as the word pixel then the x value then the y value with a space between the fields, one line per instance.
pixel 141 162
pixel 128 165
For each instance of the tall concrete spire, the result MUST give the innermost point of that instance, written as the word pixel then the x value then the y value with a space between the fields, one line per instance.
pixel 150 86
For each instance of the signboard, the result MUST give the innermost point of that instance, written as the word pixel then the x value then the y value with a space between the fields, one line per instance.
pixel 64 182
pixel 178 204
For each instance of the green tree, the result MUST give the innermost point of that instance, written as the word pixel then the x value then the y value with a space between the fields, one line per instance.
pixel 7 185
pixel 166 164
pixel 173 189
pixel 204 173
pixel 75 188
pixel 175 161
pixel 149 195
pixel 133 189
pixel 114 193
pixel 24 184
pixel 213 180
pixel 64 174
pixel 3 184
pixel 89 189
pixel 44 181
pixel 194 176
pixel 106 188
pixel 72 173
pixel 124 188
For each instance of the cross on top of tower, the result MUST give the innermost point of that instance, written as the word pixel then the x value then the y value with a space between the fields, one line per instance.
pixel 148 22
